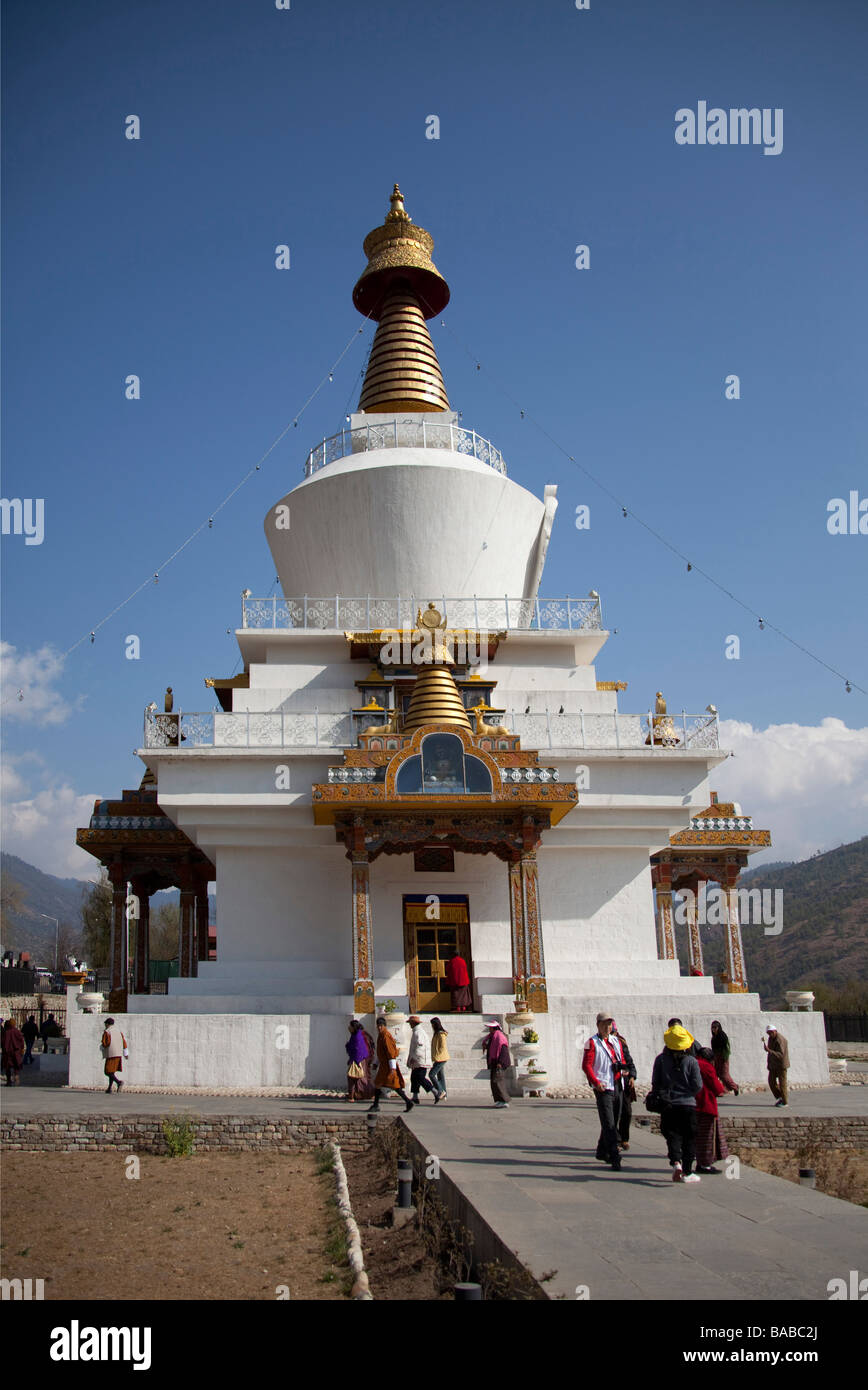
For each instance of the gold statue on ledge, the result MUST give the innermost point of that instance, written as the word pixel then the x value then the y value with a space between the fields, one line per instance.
pixel 484 730
pixel 663 733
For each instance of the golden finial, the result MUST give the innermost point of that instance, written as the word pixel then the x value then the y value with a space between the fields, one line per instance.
pixel 397 209
pixel 400 288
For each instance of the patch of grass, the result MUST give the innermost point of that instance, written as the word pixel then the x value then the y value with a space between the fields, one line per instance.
pixel 324 1160
pixel 179 1136
pixel 25 1251
pixel 238 1244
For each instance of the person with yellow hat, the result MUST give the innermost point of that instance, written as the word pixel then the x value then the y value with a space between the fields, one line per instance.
pixel 676 1081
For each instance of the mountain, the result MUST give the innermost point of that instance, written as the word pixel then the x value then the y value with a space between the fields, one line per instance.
pixel 825 926
pixel 24 928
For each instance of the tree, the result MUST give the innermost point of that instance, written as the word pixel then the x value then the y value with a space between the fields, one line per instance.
pixel 165 932
pixel 96 918
pixel 12 897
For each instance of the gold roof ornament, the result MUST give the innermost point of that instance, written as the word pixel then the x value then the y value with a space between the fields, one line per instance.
pixel 435 700
pixel 400 288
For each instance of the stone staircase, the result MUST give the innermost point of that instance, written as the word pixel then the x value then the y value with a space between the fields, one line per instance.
pixel 466 1070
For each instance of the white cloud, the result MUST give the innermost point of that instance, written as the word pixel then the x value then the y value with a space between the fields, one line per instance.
pixel 41 831
pixel 28 679
pixel 807 784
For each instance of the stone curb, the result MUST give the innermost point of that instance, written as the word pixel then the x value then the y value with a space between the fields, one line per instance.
pixel 361 1291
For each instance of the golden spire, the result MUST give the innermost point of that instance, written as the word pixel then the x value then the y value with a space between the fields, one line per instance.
pixel 401 288
pixel 435 700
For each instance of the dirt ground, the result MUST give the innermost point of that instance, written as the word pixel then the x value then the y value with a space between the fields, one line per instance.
pixel 212 1226
pixel 396 1261
pixel 840 1173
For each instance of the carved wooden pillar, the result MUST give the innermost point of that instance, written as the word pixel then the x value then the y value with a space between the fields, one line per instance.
pixel 537 996
pixel 516 921
pixel 201 930
pixel 661 877
pixel 363 953
pixel 118 934
pixel 189 959
pixel 141 983
pixel 694 943
pixel 734 949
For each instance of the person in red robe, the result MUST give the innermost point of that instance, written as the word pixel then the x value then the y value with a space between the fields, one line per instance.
pixel 458 983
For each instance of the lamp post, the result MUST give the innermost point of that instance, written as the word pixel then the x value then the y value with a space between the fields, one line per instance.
pixel 56 934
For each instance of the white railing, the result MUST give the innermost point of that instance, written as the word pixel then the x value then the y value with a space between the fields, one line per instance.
pixel 338 614
pixel 404 434
pixel 321 729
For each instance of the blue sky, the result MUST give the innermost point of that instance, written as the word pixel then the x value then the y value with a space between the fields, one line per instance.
pixel 260 127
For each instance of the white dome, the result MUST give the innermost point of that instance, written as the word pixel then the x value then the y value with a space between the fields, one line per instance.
pixel 420 523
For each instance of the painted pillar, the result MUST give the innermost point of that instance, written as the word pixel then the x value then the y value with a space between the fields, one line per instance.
pixel 143 933
pixel 516 923
pixel 537 996
pixel 661 877
pixel 735 968
pixel 363 953
pixel 117 938
pixel 694 943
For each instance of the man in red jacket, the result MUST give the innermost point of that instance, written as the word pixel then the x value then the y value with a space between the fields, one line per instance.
pixel 601 1064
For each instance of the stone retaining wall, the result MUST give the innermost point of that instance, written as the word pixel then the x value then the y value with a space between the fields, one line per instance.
pixel 144 1133
pixel 791 1131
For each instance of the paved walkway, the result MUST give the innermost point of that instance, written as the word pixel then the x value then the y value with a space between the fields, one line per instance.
pixel 64 1100
pixel 532 1176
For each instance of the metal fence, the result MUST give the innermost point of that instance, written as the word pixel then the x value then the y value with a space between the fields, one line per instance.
pixel 395 612
pixel 323 729
pixel 847 1028
pixel 20 1014
pixel 404 434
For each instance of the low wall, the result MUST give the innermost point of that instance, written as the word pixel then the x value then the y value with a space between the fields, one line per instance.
pixel 144 1133
pixel 487 1244
pixel 249 1051
pixel 791 1131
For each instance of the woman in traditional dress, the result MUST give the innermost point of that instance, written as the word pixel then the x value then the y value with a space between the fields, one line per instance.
pixel 388 1076
pixel 13 1052
pixel 360 1050
pixel 710 1143
pixel 114 1049
pixel 720 1051
pixel 458 983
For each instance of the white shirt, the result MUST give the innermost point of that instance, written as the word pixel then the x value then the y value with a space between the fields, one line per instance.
pixel 419 1053
pixel 603 1064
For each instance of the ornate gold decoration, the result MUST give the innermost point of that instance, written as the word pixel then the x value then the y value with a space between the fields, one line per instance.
pixel 484 730
pixel 400 288
pixel 612 685
pixel 435 700
pixel 664 734
pixel 390 726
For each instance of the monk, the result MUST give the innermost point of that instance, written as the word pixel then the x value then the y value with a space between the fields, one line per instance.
pixel 388 1076
pixel 458 983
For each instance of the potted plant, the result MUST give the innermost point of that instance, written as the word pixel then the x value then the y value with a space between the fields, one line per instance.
pixel 529 1045
pixel 535 1079
pixel 393 1015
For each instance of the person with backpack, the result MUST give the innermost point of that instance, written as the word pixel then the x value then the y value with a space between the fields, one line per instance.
pixel 676 1081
